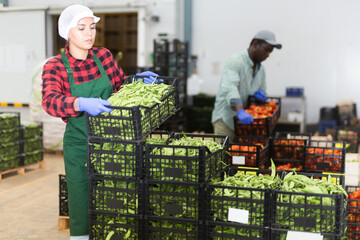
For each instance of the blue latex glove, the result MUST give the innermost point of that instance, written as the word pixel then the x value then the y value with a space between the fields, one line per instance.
pixel 93 106
pixel 260 96
pixel 244 117
pixel 151 77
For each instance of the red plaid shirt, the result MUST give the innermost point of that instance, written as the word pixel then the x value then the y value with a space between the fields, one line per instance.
pixel 56 95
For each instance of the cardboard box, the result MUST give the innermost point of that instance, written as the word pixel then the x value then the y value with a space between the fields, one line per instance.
pixel 352 165
pixel 345 107
pixel 351 180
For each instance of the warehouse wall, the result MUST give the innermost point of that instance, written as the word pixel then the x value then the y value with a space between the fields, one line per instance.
pixel 320 45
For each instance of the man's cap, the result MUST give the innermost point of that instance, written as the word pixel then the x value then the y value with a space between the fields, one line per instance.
pixel 70 17
pixel 268 37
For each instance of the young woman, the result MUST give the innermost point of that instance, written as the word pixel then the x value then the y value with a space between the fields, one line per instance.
pixel 77 81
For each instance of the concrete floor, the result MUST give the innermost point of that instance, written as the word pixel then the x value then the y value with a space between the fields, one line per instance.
pixel 29 204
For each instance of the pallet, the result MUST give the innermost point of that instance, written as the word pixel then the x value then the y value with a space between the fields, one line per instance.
pixel 63 223
pixel 21 170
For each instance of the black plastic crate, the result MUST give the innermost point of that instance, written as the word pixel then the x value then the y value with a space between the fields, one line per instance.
pixel 134 123
pixel 173 229
pixel 175 200
pixel 63 205
pixel 353 213
pixel 308 212
pixel 32 144
pixel 287 149
pixel 9 135
pixel 191 164
pixel 115 226
pixel 31 157
pixel 262 126
pixel 325 156
pixel 10 149
pixel 9 120
pixel 116 196
pixel 248 154
pixel 228 201
pixel 279 234
pixel 31 130
pixel 230 231
pixel 62 185
pixel 115 158
pixel 11 162
pixel 350 135
pixel 63 196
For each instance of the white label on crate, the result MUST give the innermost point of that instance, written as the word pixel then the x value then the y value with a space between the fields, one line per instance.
pixel 294 235
pixel 238 215
pixel 238 160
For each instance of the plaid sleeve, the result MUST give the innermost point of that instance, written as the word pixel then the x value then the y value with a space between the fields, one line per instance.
pixel 56 99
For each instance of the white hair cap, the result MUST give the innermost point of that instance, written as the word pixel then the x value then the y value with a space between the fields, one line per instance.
pixel 70 17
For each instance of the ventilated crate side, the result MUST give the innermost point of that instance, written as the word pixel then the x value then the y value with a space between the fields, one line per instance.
pixel 9 135
pixel 353 214
pixel 115 158
pixel 11 162
pixel 170 228
pixel 192 164
pixel 279 234
pixel 350 135
pixel 231 230
pixel 31 131
pixel 135 123
pixel 325 156
pixel 114 226
pixel 9 120
pixel 118 196
pixel 249 155
pixel 32 157
pixel 322 213
pixel 32 144
pixel 9 149
pixel 175 200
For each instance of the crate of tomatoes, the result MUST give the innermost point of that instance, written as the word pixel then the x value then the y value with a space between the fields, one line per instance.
pixel 286 149
pixel 250 154
pixel 325 156
pixel 265 116
pixel 353 212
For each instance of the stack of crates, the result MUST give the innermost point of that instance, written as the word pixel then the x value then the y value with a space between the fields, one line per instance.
pixel 10 150
pixel 350 135
pixel 237 212
pixel 250 147
pixel 287 150
pixel 294 214
pixel 353 212
pixel 115 159
pixel 175 178
pixel 31 143
pixel 63 196
pixel 171 59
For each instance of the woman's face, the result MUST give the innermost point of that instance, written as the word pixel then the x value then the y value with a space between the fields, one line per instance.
pixel 83 35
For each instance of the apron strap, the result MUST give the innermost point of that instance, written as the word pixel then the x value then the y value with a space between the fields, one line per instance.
pixel 68 69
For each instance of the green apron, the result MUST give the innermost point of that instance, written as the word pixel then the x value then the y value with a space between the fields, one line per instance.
pixel 75 147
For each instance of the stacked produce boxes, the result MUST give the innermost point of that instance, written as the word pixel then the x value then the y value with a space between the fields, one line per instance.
pixel 116 147
pixel 9 140
pixel 31 143
pixel 350 135
pixel 20 144
pixel 171 58
pixel 175 175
